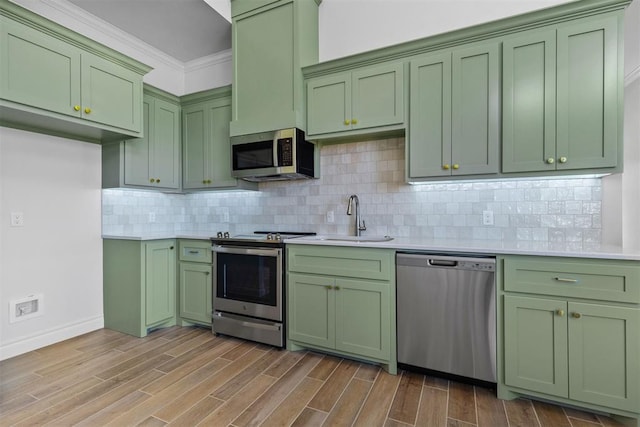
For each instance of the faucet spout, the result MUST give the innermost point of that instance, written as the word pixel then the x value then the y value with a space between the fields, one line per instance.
pixel 354 204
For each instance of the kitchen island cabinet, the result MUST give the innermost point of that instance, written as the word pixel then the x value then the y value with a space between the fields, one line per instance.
pixel 152 161
pixel 206 148
pixel 139 285
pixel 370 98
pixel 342 300
pixel 195 282
pixel 59 82
pixel 571 331
pixel 561 94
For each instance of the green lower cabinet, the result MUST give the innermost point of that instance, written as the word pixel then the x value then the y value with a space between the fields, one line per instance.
pixel 350 316
pixel 571 333
pixel 139 285
pixel 195 292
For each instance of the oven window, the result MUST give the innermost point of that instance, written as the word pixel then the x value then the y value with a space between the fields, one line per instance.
pixel 248 278
pixel 253 155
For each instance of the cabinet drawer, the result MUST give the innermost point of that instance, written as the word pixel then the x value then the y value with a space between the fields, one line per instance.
pixel 195 250
pixel 365 263
pixel 606 280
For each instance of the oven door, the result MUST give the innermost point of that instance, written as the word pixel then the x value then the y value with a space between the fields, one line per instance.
pixel 248 281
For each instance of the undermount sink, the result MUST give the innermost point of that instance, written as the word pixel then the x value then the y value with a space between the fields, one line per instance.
pixel 356 238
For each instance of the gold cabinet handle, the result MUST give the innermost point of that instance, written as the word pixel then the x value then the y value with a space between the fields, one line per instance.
pixel 347 122
pixel 76 107
pixel 550 160
pixel 560 312
pixel 87 110
pixel 328 287
pixel 151 180
pixel 354 121
pixel 562 159
pixel 446 166
pixel 456 166
pixel 576 315
pixel 565 280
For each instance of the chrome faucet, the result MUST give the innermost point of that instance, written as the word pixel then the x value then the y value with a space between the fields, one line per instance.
pixel 359 225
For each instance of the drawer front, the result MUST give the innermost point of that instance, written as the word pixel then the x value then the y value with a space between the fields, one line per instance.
pixel 364 263
pixel 195 251
pixel 605 280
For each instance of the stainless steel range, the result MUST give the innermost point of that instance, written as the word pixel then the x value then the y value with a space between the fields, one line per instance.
pixel 248 285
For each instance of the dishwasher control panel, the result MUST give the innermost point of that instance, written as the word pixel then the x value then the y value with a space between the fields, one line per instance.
pixel 478 266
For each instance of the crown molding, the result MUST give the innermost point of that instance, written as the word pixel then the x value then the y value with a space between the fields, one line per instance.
pixel 68 12
pixel 632 76
pixel 208 61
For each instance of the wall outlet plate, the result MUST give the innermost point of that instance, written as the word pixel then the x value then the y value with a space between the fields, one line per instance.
pixel 26 308
pixel 17 219
pixel 330 217
pixel 487 217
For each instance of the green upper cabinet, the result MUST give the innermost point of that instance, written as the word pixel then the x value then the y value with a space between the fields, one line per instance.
pixel 561 91
pixel 454 113
pixel 154 160
pixel 206 149
pixel 271 42
pixel 366 98
pixel 55 81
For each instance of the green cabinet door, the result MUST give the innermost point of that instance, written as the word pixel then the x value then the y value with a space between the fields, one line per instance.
pixel 370 97
pixel 195 292
pixel 329 104
pixel 604 355
pixel 206 153
pixel 160 272
pixel 475 110
pixel 589 57
pixel 311 309
pixel 535 350
pixel 111 95
pixel 429 142
pixel 363 318
pixel 529 102
pixel 38 70
pixel 454 110
pixel 154 160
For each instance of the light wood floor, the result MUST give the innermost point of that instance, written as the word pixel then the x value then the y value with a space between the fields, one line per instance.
pixel 186 377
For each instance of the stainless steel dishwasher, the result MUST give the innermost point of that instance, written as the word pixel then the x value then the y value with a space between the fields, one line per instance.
pixel 446 314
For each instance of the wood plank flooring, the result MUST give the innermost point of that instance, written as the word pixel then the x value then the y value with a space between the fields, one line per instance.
pixel 187 377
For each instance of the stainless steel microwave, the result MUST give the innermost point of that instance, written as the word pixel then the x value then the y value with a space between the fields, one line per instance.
pixel 271 156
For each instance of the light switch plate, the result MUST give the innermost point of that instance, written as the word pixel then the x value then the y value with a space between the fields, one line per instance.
pixel 17 219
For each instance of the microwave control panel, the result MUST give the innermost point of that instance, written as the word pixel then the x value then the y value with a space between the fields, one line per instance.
pixel 285 152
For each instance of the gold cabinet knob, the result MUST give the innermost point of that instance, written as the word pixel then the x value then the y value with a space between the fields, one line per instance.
pixel 560 312
pixel 87 110
pixel 76 107
pixel 158 180
pixel 208 181
pixel 206 273
pixel 151 180
pixel 445 167
pixel 550 160
pixel 456 166
pixel 328 287
pixel 562 160
pixel 576 315
pixel 204 181
pixel 354 121
pixel 337 288
pixel 171 247
pixel 347 122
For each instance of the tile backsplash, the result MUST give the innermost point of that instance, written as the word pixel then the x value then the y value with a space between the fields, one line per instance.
pixel 555 210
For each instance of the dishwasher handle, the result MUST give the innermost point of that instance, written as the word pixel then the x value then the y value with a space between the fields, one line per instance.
pixel 442 263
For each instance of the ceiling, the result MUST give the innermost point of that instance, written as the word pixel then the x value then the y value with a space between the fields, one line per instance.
pixel 183 29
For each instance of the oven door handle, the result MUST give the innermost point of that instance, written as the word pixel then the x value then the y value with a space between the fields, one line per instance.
pixel 246 251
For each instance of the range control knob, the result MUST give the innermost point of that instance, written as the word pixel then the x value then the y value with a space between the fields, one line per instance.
pixel 278 237
pixel 269 236
pixel 226 234
pixel 219 235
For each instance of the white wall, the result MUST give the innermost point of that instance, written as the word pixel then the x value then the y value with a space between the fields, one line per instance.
pixel 56 184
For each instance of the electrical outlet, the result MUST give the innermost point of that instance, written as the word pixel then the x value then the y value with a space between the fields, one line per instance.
pixel 17 219
pixel 25 308
pixel 330 217
pixel 225 216
pixel 152 217
pixel 487 217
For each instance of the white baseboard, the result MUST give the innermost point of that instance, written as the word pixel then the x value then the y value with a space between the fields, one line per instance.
pixel 49 337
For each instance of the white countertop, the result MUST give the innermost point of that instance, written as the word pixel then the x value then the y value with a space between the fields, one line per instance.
pixel 485 247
